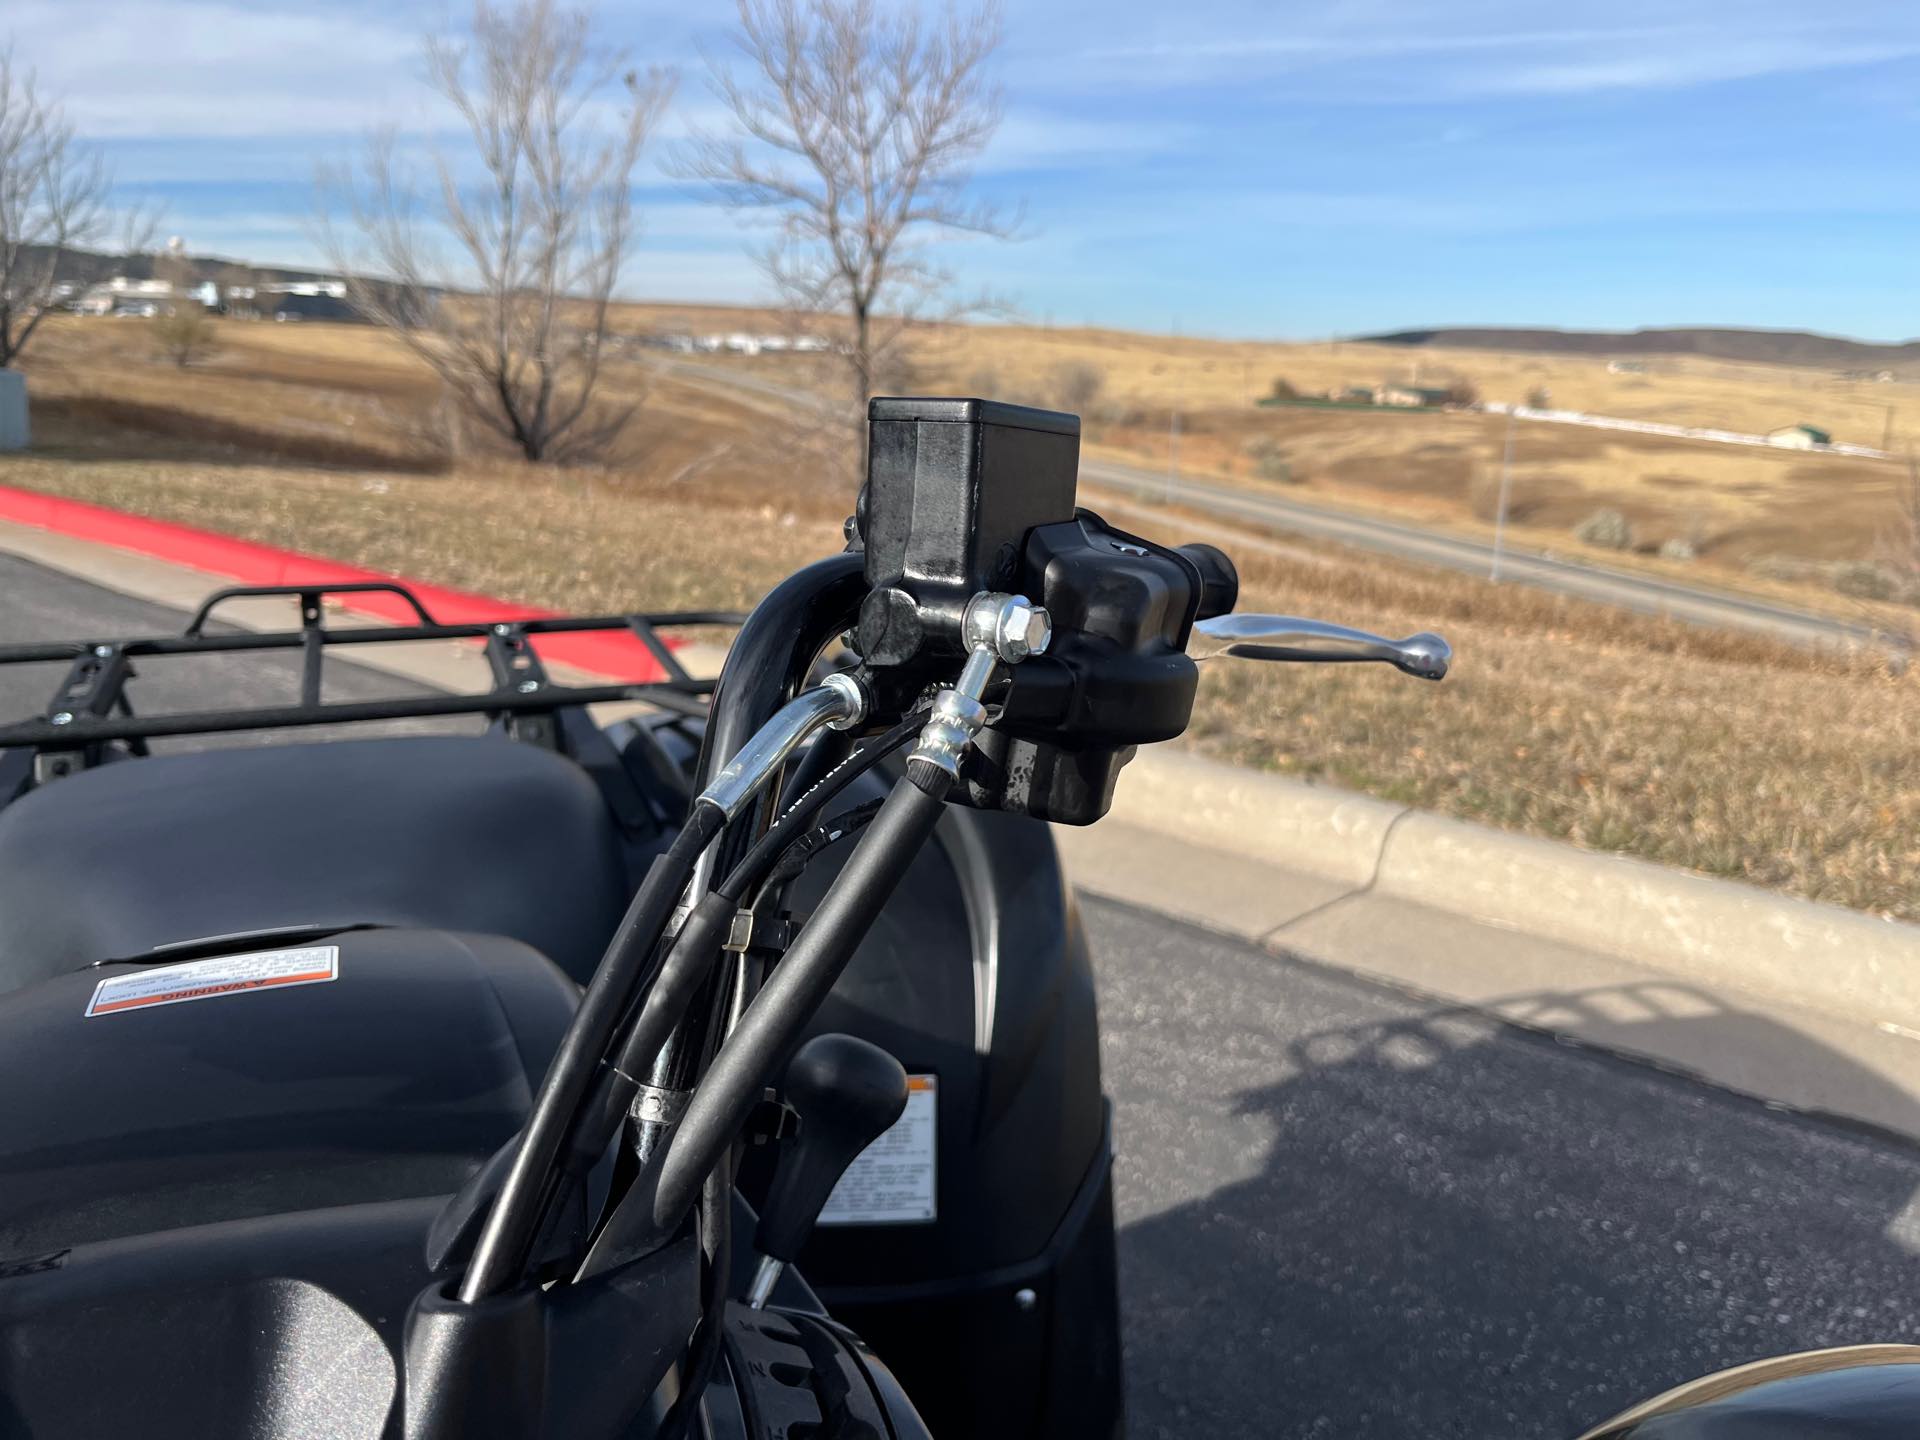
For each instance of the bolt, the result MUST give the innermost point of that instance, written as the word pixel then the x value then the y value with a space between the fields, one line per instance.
pixel 527 687
pixel 65 717
pixel 1012 627
pixel 103 651
pixel 1025 1299
pixel 503 629
pixel 1024 629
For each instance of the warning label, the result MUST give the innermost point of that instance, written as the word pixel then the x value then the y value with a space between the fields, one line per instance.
pixel 891 1183
pixel 223 975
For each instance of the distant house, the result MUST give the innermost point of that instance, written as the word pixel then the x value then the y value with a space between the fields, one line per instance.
pixel 1626 367
pixel 1353 395
pixel 739 342
pixel 1799 437
pixel 1412 397
pixel 124 295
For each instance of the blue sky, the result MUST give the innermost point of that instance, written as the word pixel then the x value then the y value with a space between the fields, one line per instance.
pixel 1219 166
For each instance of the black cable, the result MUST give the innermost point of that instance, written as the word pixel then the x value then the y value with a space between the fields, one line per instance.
pixel 773 1023
pixel 703 1350
pixel 804 851
pixel 672 986
pixel 716 1198
pixel 793 820
pixel 502 1252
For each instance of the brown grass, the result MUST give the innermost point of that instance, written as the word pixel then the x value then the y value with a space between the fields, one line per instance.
pixel 1721 753
pixel 1771 522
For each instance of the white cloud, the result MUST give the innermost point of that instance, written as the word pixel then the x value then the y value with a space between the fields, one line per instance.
pixel 1389 43
pixel 214 68
pixel 1031 139
pixel 1392 51
pixel 1703 65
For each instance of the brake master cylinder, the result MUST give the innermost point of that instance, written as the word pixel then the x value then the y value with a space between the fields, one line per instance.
pixel 971 496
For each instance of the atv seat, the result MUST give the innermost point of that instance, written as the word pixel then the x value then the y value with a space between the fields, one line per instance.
pixel 470 833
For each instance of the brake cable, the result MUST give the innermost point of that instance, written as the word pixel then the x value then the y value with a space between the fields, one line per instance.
pixel 694 949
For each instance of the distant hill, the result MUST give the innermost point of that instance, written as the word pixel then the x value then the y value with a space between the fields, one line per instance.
pixel 90 267
pixel 1769 347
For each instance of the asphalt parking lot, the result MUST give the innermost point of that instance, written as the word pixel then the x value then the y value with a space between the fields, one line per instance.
pixel 1349 1212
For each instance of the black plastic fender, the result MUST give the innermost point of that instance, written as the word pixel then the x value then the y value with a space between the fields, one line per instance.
pixel 1858 1392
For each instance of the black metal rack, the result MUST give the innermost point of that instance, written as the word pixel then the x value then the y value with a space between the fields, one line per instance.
pixel 90 707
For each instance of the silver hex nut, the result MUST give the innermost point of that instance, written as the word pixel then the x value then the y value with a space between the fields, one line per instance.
pixel 1024 629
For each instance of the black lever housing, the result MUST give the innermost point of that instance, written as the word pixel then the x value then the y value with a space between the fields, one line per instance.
pixel 1116 675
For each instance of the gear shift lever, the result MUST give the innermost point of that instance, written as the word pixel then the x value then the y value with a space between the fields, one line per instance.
pixel 847 1094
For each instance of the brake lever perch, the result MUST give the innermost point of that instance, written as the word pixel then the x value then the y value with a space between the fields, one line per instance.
pixel 1290 637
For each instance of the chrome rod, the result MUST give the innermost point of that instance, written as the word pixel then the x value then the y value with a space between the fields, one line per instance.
pixel 837 703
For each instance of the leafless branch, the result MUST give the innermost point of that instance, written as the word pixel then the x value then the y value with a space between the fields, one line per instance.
pixel 53 196
pixel 858 130
pixel 516 324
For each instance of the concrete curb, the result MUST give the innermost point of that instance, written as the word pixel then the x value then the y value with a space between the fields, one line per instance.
pixel 1719 932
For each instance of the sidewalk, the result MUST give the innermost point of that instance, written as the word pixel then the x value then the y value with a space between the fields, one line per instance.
pixel 1785 1051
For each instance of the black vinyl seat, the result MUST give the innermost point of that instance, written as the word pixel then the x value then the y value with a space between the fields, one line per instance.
pixel 472 833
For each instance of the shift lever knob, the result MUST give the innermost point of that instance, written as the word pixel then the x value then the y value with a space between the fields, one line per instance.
pixel 847 1094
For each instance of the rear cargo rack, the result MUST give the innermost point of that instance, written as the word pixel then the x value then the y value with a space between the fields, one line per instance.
pixel 90 706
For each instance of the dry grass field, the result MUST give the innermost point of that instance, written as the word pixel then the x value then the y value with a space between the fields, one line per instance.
pixel 1724 754
pixel 1805 525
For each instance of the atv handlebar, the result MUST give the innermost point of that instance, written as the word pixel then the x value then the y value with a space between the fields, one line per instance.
pixel 1036 704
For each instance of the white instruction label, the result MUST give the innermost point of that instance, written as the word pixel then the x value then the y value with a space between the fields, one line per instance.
pixel 891 1182
pixel 223 975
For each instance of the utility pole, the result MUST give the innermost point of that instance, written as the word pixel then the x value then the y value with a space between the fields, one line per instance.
pixel 1506 490
pixel 1173 451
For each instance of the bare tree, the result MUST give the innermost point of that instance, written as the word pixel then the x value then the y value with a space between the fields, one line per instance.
pixel 858 129
pixel 184 332
pixel 1076 385
pixel 516 326
pixel 53 195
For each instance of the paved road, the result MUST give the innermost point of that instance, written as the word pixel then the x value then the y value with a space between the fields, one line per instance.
pixel 1239 505
pixel 1346 1213
pixel 1646 594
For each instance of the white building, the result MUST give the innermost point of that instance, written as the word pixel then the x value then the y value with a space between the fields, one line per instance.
pixel 1799 437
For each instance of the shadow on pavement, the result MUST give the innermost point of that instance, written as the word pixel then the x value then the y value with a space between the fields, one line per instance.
pixel 1462 1229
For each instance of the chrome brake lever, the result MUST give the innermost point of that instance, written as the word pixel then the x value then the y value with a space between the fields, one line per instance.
pixel 1289 637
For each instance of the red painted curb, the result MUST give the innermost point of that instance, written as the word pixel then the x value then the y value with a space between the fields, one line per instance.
pixel 616 656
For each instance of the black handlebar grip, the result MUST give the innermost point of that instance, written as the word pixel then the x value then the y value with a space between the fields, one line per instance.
pixel 1219 581
pixel 848 1092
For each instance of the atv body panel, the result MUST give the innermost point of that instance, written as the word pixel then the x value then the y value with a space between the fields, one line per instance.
pixel 495 871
